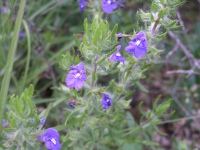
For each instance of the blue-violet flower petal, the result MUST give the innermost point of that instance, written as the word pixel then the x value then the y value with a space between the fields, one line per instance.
pixel 3 10
pixel 51 139
pixel 42 121
pixel 106 101
pixel 4 122
pixel 82 4
pixel 76 77
pixel 117 56
pixel 138 45
pixel 108 6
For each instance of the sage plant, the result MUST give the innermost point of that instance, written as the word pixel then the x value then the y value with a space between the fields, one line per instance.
pixel 96 117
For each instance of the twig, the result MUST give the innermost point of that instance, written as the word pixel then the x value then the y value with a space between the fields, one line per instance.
pixel 172 51
pixel 183 72
pixel 184 30
pixel 174 94
pixel 195 63
pixel 155 25
pixel 187 113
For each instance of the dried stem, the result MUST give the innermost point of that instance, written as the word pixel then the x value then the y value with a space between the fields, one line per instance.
pixel 155 25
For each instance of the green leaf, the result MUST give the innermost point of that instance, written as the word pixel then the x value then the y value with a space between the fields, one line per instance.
pixel 86 28
pixel 132 146
pixel 141 87
pixel 130 119
pixel 90 132
pixel 76 40
pixel 166 11
pixel 114 31
pixel 159 131
pixel 170 23
pixel 104 29
pixel 96 36
pixel 155 103
pixel 85 41
pixel 162 2
pixel 175 28
pixel 152 18
pixel 180 4
pixel 160 14
pixel 163 107
pixel 149 143
pixel 94 25
pixel 140 108
pixel 65 61
pixel 169 2
pixel 102 58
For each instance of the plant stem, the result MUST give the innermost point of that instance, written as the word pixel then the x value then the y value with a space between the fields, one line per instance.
pixel 10 61
pixel 155 25
pixel 94 71
pixel 28 54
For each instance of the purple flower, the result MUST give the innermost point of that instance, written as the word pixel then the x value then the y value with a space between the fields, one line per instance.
pixel 138 45
pixel 117 56
pixel 82 4
pixel 119 36
pixel 71 105
pixel 42 121
pixel 108 6
pixel 3 9
pixel 4 123
pixel 51 139
pixel 21 35
pixel 76 76
pixel 106 101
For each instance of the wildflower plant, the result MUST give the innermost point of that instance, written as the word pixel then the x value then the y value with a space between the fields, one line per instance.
pixel 96 117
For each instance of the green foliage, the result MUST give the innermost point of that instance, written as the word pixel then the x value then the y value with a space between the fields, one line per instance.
pixel 98 39
pixel 141 87
pixel 22 122
pixel 65 61
pixel 163 11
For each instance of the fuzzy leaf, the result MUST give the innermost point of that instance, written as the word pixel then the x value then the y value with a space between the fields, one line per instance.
pixel 76 40
pixel 114 31
pixel 175 28
pixel 163 107
pixel 141 87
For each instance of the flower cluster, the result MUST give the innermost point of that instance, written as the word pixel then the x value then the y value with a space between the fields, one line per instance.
pixel 77 76
pixel 51 139
pixel 137 46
